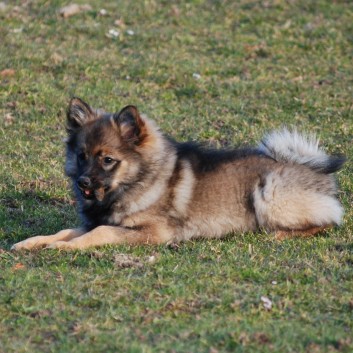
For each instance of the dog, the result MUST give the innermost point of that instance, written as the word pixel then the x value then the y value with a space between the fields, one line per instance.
pixel 136 186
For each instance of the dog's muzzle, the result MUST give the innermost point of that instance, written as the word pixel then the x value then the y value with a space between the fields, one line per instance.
pixel 85 185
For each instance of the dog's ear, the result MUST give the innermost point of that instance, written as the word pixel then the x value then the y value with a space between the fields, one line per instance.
pixel 131 126
pixel 78 113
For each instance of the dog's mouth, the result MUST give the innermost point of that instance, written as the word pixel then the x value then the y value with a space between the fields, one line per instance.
pixel 90 194
pixel 87 193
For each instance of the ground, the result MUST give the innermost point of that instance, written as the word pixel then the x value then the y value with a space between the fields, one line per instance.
pixel 223 72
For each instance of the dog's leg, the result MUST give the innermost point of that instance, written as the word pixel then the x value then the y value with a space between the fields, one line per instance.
pixel 104 235
pixel 41 241
pixel 287 234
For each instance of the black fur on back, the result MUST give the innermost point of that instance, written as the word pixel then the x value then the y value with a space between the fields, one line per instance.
pixel 204 159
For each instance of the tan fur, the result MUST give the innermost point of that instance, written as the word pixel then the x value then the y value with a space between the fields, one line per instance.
pixel 41 241
pixel 180 196
pixel 288 200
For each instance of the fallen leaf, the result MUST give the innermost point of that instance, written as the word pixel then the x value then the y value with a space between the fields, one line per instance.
pixel 287 24
pixel 3 7
pixel 119 23
pixel 314 348
pixel 7 72
pixel 151 259
pixel 17 30
pixel 57 58
pixel 298 79
pixel 9 119
pixel 17 9
pixel 261 337
pixel 59 277
pixel 11 104
pixel 18 266
pixel 236 304
pixel 125 261
pixel 175 11
pixel 244 338
pixel 73 9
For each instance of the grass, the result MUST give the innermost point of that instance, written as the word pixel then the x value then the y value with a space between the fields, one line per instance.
pixel 261 65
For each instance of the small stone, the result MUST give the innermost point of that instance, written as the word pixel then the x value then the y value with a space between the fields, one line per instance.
pixel 267 303
pixel 196 76
pixel 113 33
pixel 151 259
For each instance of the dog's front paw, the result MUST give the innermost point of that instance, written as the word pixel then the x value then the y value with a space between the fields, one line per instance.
pixel 31 243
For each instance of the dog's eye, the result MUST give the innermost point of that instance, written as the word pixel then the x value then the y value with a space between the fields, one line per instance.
pixel 108 160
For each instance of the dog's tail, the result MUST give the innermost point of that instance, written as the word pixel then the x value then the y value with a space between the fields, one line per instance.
pixel 292 147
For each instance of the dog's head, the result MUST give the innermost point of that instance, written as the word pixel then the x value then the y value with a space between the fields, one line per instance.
pixel 106 153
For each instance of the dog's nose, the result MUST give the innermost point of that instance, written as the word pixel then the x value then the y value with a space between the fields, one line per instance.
pixel 84 182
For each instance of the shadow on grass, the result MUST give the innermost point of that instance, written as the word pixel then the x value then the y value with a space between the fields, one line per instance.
pixel 32 212
pixel 342 247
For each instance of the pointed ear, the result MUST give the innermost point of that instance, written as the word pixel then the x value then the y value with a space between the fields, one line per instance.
pixel 131 126
pixel 78 113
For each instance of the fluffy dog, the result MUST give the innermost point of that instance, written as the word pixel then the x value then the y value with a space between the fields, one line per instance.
pixel 136 186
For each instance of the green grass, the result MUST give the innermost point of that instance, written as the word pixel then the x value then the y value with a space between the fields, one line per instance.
pixel 262 64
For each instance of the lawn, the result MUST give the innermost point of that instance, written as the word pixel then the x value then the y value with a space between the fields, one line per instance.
pixel 221 72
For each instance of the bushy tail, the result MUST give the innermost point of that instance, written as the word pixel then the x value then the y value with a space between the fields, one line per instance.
pixel 293 147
